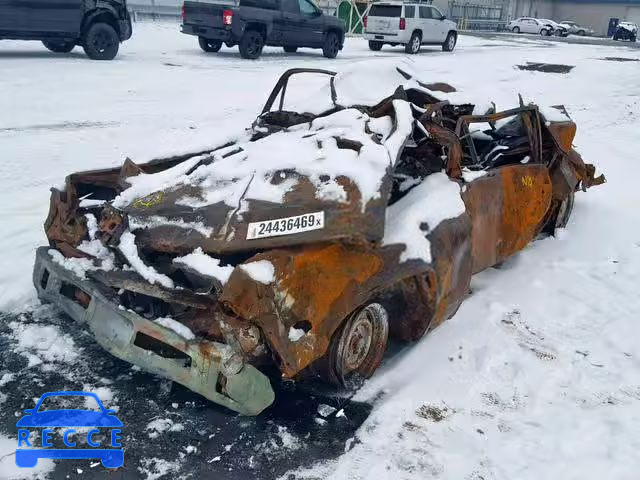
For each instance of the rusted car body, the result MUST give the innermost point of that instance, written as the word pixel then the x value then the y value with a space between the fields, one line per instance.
pixel 336 276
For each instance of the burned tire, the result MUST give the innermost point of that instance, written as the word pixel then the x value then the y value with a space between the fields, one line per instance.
pixel 290 49
pixel 331 45
pixel 251 44
pixel 357 347
pixel 564 212
pixel 450 43
pixel 59 47
pixel 101 42
pixel 516 30
pixel 375 45
pixel 209 46
pixel 413 46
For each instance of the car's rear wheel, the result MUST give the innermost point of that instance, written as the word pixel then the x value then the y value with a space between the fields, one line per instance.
pixel 331 45
pixel 59 46
pixel 413 46
pixel 290 49
pixel 358 346
pixel 580 32
pixel 564 211
pixel 516 30
pixel 450 43
pixel 101 42
pixel 251 44
pixel 375 45
pixel 209 46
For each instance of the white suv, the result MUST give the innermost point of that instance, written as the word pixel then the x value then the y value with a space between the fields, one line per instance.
pixel 411 24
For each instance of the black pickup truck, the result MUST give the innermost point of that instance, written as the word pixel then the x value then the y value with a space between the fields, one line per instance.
pixel 98 25
pixel 252 24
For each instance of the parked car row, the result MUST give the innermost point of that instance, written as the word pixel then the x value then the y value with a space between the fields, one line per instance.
pixel 292 24
pixel 546 27
pixel 99 26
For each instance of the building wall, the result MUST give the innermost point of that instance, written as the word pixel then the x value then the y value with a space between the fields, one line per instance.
pixel 595 15
pixel 532 8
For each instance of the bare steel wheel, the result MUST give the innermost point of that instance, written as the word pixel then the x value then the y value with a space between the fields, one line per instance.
pixel 357 348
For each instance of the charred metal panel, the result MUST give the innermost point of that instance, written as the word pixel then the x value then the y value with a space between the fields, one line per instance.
pixel 483 199
pixel 526 191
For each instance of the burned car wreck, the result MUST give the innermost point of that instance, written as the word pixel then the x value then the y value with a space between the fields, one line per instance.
pixel 309 240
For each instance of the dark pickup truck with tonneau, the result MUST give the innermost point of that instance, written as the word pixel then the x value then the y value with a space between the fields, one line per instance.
pixel 252 24
pixel 97 25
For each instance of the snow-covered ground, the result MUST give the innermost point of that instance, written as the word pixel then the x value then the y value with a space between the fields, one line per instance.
pixel 536 376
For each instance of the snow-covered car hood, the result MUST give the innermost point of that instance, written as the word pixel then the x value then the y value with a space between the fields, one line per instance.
pixel 336 167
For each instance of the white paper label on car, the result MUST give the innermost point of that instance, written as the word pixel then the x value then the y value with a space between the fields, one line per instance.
pixel 286 225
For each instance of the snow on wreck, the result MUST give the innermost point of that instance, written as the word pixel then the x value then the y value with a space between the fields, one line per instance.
pixel 365 205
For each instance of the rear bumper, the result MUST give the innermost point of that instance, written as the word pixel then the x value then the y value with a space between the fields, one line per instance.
pixel 385 37
pixel 209 33
pixel 202 366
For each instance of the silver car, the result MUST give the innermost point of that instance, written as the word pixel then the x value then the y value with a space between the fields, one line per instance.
pixel 577 29
pixel 411 24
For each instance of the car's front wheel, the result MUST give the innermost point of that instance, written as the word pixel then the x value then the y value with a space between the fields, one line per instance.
pixel 413 46
pixel 331 45
pixel 516 30
pixel 251 44
pixel 375 45
pixel 357 347
pixel 544 32
pixel 209 46
pixel 450 43
pixel 59 46
pixel 101 42
pixel 580 32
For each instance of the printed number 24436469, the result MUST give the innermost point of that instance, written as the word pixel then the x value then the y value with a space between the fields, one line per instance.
pixel 286 226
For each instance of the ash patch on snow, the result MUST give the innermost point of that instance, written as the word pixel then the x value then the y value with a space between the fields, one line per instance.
pixel 621 59
pixel 546 67
pixel 434 413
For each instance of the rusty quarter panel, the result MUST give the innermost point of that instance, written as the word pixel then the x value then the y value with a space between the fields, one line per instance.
pixel 507 208
pixel 526 200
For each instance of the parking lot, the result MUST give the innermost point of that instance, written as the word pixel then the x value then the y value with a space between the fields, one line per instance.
pixel 535 377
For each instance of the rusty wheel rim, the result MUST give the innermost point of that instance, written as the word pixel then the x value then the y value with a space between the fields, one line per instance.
pixel 360 345
pixel 357 342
